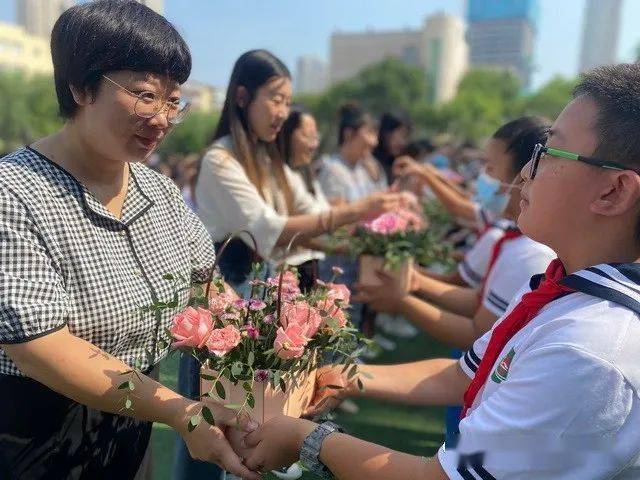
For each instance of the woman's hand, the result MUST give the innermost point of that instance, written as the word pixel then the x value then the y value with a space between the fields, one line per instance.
pixel 385 297
pixel 209 444
pixel 326 396
pixel 276 443
pixel 378 203
pixel 406 166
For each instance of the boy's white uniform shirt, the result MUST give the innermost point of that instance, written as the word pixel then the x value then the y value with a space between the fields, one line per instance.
pixel 561 401
pixel 520 258
pixel 473 268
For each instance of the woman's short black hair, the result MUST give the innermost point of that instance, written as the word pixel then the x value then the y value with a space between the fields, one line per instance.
pixel 94 38
pixel 352 116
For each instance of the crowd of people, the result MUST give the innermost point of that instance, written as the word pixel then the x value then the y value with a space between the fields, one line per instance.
pixel 542 311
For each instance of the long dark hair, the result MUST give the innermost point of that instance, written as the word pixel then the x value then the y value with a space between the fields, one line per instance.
pixel 388 123
pixel 351 116
pixel 285 138
pixel 252 70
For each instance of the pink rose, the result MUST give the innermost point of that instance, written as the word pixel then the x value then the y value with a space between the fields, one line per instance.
pixel 191 327
pixel 302 314
pixel 386 224
pixel 334 312
pixel 290 286
pixel 290 342
pixel 339 292
pixel 223 340
pixel 219 302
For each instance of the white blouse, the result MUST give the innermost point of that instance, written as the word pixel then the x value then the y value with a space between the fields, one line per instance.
pixel 228 202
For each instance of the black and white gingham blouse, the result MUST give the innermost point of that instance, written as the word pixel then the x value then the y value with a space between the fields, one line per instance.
pixel 65 260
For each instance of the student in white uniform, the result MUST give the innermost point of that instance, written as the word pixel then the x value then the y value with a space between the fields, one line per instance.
pixel 552 391
pixel 505 153
pixel 456 315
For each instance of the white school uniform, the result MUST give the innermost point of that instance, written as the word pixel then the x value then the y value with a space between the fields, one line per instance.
pixel 473 268
pixel 562 399
pixel 520 258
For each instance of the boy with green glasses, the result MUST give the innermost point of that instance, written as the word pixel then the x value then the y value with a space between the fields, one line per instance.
pixel 551 392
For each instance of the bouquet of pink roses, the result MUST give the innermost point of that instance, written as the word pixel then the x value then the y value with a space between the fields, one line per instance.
pixel 393 242
pixel 270 342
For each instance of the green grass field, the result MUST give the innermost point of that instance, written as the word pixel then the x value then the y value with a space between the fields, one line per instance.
pixel 409 429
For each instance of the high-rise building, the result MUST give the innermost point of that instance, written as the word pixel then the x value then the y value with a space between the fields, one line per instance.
pixel 444 55
pixel 600 33
pixel 20 51
pixel 502 33
pixel 439 48
pixel 157 5
pixel 38 17
pixel 311 75
pixel 203 97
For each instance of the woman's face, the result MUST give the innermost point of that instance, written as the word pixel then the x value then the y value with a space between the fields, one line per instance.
pixel 109 124
pixel 397 141
pixel 304 141
pixel 270 108
pixel 363 140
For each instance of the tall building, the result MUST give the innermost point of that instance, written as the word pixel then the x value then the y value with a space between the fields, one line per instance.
pixel 439 48
pixel 157 5
pixel 203 97
pixel 38 16
pixel 311 75
pixel 445 56
pixel 20 51
pixel 600 33
pixel 502 33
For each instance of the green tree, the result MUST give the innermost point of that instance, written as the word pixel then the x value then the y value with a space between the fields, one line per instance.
pixel 192 135
pixel 551 98
pixel 29 109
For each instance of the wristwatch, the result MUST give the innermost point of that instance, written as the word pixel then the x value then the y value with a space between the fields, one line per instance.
pixel 310 450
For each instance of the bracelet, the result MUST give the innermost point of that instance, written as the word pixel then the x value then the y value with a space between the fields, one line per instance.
pixel 310 450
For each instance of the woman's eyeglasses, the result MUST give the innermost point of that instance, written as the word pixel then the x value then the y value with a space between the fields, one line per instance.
pixel 540 150
pixel 149 104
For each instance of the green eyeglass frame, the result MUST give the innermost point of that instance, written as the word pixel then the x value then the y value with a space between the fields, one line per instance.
pixel 540 149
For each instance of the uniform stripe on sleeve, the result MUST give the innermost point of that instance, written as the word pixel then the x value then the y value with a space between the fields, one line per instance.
pixel 473 463
pixel 497 302
pixel 470 273
pixel 472 360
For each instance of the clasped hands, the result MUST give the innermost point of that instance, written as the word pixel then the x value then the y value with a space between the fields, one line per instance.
pixel 243 447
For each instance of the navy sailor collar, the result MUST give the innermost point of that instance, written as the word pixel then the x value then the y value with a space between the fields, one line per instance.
pixel 617 282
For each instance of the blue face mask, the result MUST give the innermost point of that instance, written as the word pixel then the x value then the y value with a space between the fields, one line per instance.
pixel 440 162
pixel 488 194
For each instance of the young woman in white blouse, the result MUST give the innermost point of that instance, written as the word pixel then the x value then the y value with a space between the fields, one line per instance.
pixel 243 183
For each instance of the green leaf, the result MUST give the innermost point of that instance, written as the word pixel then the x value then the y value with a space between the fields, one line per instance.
pixel 127 403
pixel 124 385
pixel 236 369
pixel 234 406
pixel 220 390
pixel 352 372
pixel 251 401
pixel 168 276
pixel 360 385
pixel 211 378
pixel 208 416
pixel 247 387
pixel 250 359
pixel 194 421
pixel 283 386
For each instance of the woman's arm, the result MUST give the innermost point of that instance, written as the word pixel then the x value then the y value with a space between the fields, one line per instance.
pixel 79 370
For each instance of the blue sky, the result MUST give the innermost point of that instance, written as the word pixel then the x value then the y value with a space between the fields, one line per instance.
pixel 218 31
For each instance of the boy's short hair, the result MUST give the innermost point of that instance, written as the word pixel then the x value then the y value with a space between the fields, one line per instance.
pixel 615 89
pixel 95 38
